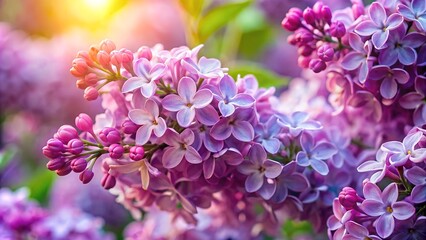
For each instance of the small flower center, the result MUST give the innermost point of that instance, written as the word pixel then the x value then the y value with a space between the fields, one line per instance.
pixel 409 152
pixel 189 104
pixel 183 146
pixel 262 169
pixel 367 238
pixel 389 209
pixel 154 122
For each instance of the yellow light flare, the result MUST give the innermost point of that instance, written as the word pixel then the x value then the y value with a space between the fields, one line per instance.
pixel 98 4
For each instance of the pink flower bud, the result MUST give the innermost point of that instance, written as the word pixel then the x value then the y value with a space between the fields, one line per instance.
pixel 303 62
pixel 129 127
pixel 115 151
pixel 305 50
pixel 127 59
pixel 66 133
pixel 304 37
pixel 49 153
pixel 116 58
pixel 55 164
pixel 358 10
pixel 292 20
pixel 326 14
pixel 84 122
pixel 93 53
pixel 91 79
pixel 325 52
pixel 317 7
pixel 317 65
pixel 136 153
pixel 144 52
pixel 65 170
pixel 348 198
pixel 292 39
pixel 108 181
pixel 91 93
pixel 107 46
pixel 55 145
pixel 337 29
pixel 81 84
pixel 110 135
pixel 78 165
pixel 309 16
pixel 79 67
pixel 104 59
pixel 85 55
pixel 75 146
pixel 86 176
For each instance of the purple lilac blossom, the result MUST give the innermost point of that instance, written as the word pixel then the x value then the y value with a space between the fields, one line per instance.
pixel 416 12
pixel 401 152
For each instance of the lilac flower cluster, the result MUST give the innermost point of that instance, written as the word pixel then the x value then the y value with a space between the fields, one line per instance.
pixel 374 55
pixel 21 218
pixel 396 212
pixel 179 133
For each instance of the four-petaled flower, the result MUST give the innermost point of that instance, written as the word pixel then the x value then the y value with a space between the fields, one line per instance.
pixel 390 77
pixel 261 172
pixel 417 176
pixel 187 101
pixel 378 25
pixel 359 58
pixel 416 12
pixel 237 125
pixel 150 119
pixel 179 147
pixel 267 135
pixel 147 73
pixel 297 123
pixel 206 67
pixel 416 100
pixel 217 163
pixel 357 232
pixel 401 152
pixel 314 155
pixel 378 166
pixel 384 205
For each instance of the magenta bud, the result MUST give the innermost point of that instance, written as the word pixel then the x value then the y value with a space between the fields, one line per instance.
pixel 79 67
pixel 317 65
pixel 136 153
pixel 55 164
pixel 55 145
pixel 110 135
pixel 86 176
pixel 292 39
pixel 115 151
pixel 78 165
pixel 348 198
pixel 91 93
pixel 292 20
pixel 305 50
pixel 49 153
pixel 66 133
pixel 303 61
pixel 144 52
pixel 337 29
pixel 304 37
pixel 107 46
pixel 357 10
pixel 317 7
pixel 326 14
pixel 65 170
pixel 84 122
pixel 104 59
pixel 127 59
pixel 129 127
pixel 309 16
pixel 75 146
pixel 91 79
pixel 325 53
pixel 108 181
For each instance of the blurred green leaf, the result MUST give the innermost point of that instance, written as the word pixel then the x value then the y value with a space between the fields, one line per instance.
pixel 219 16
pixel 265 77
pixel 291 228
pixel 192 7
pixel 6 156
pixel 39 184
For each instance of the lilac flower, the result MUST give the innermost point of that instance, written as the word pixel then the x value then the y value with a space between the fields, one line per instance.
pixel 416 12
pixel 179 148
pixel 187 101
pixel 358 59
pixel 229 98
pixel 216 164
pixel 258 167
pixel 378 25
pixel 289 179
pixel 341 142
pixel 336 222
pixel 401 152
pixel 314 155
pixel 358 232
pixel 297 123
pixel 411 229
pixel 147 73
pixel 378 166
pixel 390 77
pixel 143 167
pixel 236 125
pixel 384 205
pixel 417 176
pixel 268 133
pixel 206 67
pixel 150 119
pixel 415 100
pixel 400 46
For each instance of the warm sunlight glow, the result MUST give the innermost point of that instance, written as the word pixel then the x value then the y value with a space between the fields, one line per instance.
pixel 97 4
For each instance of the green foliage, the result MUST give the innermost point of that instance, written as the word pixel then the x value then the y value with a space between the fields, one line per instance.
pixel 39 184
pixel 292 229
pixel 265 77
pixel 192 7
pixel 6 156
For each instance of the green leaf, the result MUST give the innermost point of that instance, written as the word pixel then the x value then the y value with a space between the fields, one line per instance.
pixel 39 184
pixel 219 16
pixel 192 7
pixel 265 77
pixel 6 156
pixel 291 228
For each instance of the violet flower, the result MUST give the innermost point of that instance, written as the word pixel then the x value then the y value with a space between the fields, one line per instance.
pixel 336 222
pixel 342 143
pixel 378 25
pixel 258 167
pixel 235 125
pixel 359 58
pixel 150 119
pixel 229 98
pixel 411 229
pixel 297 123
pixel 378 166
pixel 400 46
pixel 416 12
pixel 143 167
pixel 384 205
pixel 401 152
pixel 390 79
pixel 216 163
pixel 415 100
pixel 358 232
pixel 268 135
pixel 179 148
pixel 314 155
pixel 187 101
pixel 206 67
pixel 417 176
pixel 147 73
pixel 289 179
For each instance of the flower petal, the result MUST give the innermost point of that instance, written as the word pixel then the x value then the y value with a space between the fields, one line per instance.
pixel 352 61
pixel 411 140
pixel 227 87
pixel 185 116
pixel 192 156
pixel 372 192
pixel 323 151
pixel 394 21
pixel 390 194
pixel 416 175
pixel 140 117
pixel 267 190
pixel 379 38
pixel 273 168
pixel 202 98
pixel 173 103
pixel 418 195
pixel 148 89
pixel 356 230
pixel 207 115
pixel 243 131
pixel 388 56
pixel 377 13
pixel 143 134
pixel 385 225
pixel 254 182
pixel 411 100
pixel 160 128
pixel 319 166
pixel 221 130
pixel 243 100
pixel 186 89
pixel 366 28
pixel 406 55
pixel 388 88
pixel 132 84
pixel 257 154
pixel 208 167
pixel 172 157
pixel 302 159
pixel 226 109
pixel 372 207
